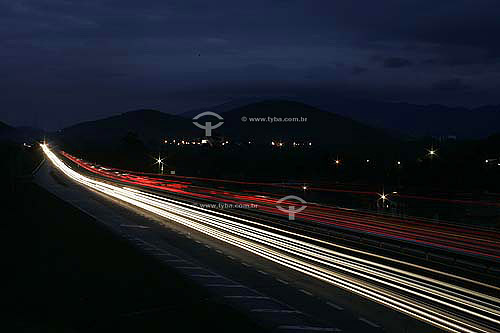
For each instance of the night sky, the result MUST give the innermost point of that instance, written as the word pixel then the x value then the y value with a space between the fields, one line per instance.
pixel 65 61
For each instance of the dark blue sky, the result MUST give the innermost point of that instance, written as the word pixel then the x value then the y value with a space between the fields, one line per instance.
pixel 65 61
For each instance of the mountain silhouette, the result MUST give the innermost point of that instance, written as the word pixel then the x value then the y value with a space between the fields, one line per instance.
pixel 412 120
pixel 320 127
pixel 152 126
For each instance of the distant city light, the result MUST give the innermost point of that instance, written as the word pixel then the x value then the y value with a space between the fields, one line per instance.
pixel 399 162
pixel 367 161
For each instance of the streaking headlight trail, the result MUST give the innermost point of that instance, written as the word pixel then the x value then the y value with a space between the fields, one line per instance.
pixel 441 303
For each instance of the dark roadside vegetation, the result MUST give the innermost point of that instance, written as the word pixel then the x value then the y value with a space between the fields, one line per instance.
pixel 458 167
pixel 69 274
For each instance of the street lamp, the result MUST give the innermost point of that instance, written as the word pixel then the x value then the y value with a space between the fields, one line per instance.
pixel 160 163
pixel 383 197
pixel 432 152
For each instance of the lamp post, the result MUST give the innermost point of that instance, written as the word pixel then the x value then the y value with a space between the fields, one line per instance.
pixel 160 163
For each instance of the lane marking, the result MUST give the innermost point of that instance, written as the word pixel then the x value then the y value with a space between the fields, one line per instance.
pixel 275 311
pixel 305 292
pixel 249 297
pixel 282 281
pixel 262 272
pixel 134 226
pixel 335 306
pixel 205 275
pixel 309 328
pixel 372 324
pixel 225 285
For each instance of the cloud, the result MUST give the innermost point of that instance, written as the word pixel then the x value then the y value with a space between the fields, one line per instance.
pixel 396 62
pixel 450 85
pixel 215 40
pixel 130 54
pixel 356 70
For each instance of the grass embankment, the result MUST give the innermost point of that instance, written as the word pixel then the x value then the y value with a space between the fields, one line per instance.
pixel 72 275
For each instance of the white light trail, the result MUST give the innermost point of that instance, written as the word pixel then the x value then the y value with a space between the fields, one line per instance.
pixel 440 303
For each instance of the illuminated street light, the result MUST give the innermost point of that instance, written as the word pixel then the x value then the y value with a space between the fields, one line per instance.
pixel 432 152
pixel 383 197
pixel 160 163
pixel 399 163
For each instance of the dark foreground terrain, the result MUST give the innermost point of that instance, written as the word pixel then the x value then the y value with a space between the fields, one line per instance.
pixel 71 275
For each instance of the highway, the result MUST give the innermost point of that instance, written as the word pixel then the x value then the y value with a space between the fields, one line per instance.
pixel 447 236
pixel 447 301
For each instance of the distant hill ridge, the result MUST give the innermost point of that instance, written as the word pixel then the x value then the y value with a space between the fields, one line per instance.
pixel 19 134
pixel 398 117
pixel 153 126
